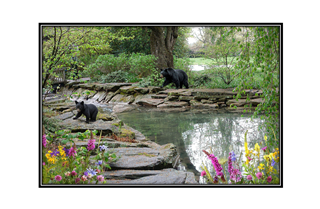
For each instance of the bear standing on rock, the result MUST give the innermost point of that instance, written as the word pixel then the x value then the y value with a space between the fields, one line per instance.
pixel 89 110
pixel 178 77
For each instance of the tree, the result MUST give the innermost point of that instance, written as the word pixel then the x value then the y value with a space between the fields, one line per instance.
pixel 223 48
pixel 264 52
pixel 162 41
pixel 60 44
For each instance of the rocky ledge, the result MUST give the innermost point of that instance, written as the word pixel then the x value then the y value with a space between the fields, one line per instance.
pixel 163 100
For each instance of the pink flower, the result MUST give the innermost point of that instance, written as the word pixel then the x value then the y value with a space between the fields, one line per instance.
pixel 43 163
pixel 91 144
pixel 100 178
pixel 83 178
pixel 58 178
pixel 259 175
pixel 73 173
pixel 264 148
pixel 77 180
pixel 249 177
pixel 203 173
pixel 98 171
pixel 44 140
pixel 269 179
pixel 72 151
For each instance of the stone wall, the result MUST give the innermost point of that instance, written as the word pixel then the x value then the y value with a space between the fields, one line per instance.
pixel 163 100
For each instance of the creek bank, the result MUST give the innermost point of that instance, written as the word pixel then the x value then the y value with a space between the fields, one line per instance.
pixel 128 97
pixel 140 161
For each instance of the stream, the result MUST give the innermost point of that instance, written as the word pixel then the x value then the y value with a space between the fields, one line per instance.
pixel 218 133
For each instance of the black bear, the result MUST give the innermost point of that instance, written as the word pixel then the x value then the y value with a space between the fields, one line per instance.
pixel 89 110
pixel 178 77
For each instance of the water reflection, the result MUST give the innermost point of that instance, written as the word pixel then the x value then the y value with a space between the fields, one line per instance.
pixel 191 133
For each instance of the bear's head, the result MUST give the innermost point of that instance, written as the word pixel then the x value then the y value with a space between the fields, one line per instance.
pixel 79 106
pixel 168 72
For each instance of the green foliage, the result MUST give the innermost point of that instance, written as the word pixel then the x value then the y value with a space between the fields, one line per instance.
pixel 141 64
pixel 114 77
pixel 51 124
pixel 265 50
pixel 122 68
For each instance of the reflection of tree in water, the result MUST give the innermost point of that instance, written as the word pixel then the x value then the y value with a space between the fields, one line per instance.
pixel 192 133
pixel 222 134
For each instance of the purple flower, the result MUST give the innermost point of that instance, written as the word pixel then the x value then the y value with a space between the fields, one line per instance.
pixel 203 173
pixel 273 162
pixel 85 173
pixel 91 171
pixel 264 148
pixel 44 140
pixel 99 162
pixel 233 157
pixel 103 147
pixel 73 173
pixel 54 153
pixel 269 179
pixel 77 180
pixel 249 177
pixel 91 145
pixel 66 151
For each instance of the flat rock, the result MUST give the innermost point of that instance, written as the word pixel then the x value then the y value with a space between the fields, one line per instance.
pixel 79 125
pixel 121 98
pixel 142 90
pixel 173 104
pixel 150 177
pixel 123 108
pixel 138 158
pixel 150 102
pixel 175 92
pixel 99 96
pixel 211 92
pixel 65 116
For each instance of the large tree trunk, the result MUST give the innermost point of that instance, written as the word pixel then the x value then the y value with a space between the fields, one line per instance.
pixel 162 41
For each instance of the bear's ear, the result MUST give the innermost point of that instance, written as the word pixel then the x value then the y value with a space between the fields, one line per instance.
pixel 76 102
pixel 82 102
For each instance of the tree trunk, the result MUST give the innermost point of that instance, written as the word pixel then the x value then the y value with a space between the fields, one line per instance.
pixel 162 41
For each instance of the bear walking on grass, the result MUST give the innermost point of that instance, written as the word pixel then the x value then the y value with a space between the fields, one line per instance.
pixel 89 110
pixel 178 77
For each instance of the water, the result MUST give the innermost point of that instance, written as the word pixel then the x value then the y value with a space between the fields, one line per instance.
pixel 205 67
pixel 218 133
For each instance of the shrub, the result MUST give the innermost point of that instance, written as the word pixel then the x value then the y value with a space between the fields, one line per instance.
pixel 116 76
pixel 141 64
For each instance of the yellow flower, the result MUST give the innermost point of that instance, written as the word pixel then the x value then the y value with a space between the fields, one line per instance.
pixel 257 149
pixel 265 138
pixel 261 166
pixel 51 159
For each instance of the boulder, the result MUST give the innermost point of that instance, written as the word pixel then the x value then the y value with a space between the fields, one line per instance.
pixel 99 96
pixel 105 117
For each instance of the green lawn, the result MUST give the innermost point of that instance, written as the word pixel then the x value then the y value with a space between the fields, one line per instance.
pixel 205 61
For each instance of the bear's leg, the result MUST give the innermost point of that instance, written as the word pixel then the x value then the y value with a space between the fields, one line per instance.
pixel 166 82
pixel 78 115
pixel 178 84
pixel 94 115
